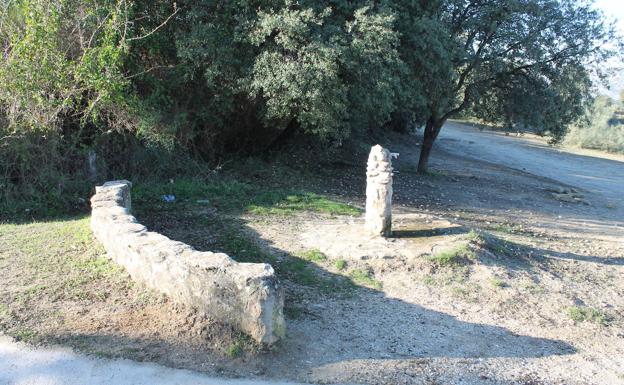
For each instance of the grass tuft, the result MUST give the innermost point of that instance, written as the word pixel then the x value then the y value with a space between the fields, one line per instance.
pixel 452 257
pixel 313 255
pixel 588 314
pixel 498 283
pixel 235 350
pixel 364 278
pixel 340 264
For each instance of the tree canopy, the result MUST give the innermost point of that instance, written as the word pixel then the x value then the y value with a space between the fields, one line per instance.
pixel 515 61
pixel 210 77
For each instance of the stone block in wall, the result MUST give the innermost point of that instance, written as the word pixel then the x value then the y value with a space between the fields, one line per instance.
pixel 245 295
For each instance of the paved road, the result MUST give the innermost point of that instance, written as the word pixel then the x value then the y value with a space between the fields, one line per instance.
pixel 590 172
pixel 23 365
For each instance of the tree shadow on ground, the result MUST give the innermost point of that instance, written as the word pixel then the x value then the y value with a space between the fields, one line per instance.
pixel 514 256
pixel 333 318
pixel 422 233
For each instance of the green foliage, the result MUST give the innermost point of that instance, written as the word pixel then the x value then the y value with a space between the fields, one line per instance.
pixel 587 314
pixel 235 350
pixel 232 195
pixel 365 278
pixel 313 255
pixel 62 57
pixel 149 83
pixel 514 62
pixel 340 264
pixel 599 128
pixel 452 257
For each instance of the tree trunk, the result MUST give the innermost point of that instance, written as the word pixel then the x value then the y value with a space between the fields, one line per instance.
pixel 432 129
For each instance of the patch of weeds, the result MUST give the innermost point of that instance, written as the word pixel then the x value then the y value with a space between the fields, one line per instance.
pixel 534 288
pixel 587 314
pixel 313 255
pixel 340 264
pixel 242 344
pixel 475 237
pixel 502 228
pixel 498 283
pixel 235 350
pixel 299 271
pixel 272 204
pixel 429 280
pixel 453 257
pixel 459 291
pixel 33 290
pixel 469 292
pixel 364 278
pixel 26 335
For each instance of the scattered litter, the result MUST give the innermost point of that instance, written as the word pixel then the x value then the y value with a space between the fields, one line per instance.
pixel 168 198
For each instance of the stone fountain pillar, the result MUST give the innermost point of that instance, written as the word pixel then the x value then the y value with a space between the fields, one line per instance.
pixel 379 191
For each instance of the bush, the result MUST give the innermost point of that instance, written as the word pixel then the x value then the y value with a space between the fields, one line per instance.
pixel 151 81
pixel 599 129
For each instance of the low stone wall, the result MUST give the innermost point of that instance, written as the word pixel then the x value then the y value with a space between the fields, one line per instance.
pixel 245 295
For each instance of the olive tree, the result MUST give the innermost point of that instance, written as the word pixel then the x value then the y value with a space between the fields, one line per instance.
pixel 519 61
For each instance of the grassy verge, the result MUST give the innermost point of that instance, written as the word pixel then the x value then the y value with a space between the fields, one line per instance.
pixel 234 196
pixel 50 268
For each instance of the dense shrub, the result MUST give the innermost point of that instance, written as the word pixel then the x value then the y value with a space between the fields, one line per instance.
pixel 146 87
pixel 598 129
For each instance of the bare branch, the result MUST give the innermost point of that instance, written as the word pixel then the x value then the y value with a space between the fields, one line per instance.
pixel 175 11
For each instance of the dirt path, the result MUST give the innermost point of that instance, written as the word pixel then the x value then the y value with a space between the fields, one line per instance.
pixel 487 280
pixel 599 175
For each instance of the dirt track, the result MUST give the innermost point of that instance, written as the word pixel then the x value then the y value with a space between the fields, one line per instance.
pixel 595 172
pixel 599 175
pixel 500 317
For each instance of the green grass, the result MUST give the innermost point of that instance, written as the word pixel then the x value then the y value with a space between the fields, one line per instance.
pixel 474 236
pixel 364 278
pixel 498 283
pixel 293 203
pixel 587 314
pixel 452 257
pixel 242 343
pixel 235 350
pixel 313 255
pixel 58 259
pixel 48 269
pixel 26 335
pixel 4 311
pixel 340 264
pixel 234 196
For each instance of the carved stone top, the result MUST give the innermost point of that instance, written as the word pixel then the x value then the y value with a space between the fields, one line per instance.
pixel 379 167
